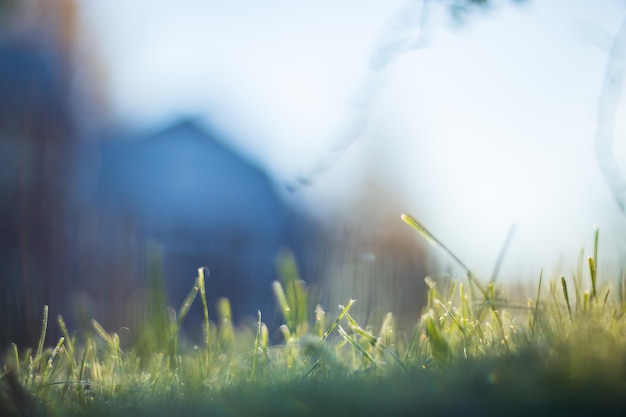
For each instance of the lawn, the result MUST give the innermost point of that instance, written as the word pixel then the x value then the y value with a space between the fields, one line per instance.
pixel 473 351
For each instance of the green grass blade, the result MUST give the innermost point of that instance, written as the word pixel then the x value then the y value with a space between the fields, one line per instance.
pixel 448 312
pixel 320 322
pixel 283 305
pixel 536 309
pixel 596 239
pixel 83 363
pixel 354 326
pixel 69 345
pixel 440 349
pixel 44 328
pixel 257 342
pixel 622 289
pixel 502 253
pixel 578 281
pixel 112 342
pixel 205 312
pixel 342 313
pixel 284 329
pixel 226 329
pixel 18 365
pixel 437 243
pixel 566 295
pixel 184 308
pixel 466 309
pixel 356 345
pixel 592 273
pixel 52 362
pixel 295 293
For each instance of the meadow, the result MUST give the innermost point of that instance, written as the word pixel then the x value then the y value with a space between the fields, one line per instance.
pixel 478 348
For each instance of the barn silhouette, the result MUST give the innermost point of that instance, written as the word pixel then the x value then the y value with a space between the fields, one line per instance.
pixel 83 213
pixel 89 221
pixel 182 190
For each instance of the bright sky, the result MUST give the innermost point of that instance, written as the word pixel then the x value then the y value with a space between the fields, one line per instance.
pixel 492 123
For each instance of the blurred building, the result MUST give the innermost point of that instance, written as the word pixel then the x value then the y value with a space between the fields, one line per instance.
pixel 184 193
pixel 89 220
pixel 86 221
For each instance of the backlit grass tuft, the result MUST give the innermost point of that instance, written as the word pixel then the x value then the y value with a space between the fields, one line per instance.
pixel 471 351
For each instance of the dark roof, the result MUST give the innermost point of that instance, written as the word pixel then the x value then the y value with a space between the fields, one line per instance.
pixel 183 173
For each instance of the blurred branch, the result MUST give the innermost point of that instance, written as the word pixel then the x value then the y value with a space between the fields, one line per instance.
pixel 408 29
pixel 607 109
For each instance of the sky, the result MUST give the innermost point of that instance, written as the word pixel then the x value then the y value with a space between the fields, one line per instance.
pixel 473 127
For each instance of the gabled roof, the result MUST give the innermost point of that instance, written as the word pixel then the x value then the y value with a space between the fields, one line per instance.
pixel 184 174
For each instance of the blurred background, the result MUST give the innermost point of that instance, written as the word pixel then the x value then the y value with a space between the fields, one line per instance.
pixel 140 141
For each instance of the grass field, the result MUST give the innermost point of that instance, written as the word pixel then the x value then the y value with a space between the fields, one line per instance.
pixel 472 352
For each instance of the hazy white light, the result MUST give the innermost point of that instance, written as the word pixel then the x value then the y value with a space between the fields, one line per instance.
pixel 489 126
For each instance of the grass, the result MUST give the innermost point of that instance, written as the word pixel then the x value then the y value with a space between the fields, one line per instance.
pixel 471 352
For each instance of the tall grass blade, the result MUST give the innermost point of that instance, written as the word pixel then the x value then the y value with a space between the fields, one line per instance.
pixel 437 243
pixel 320 322
pixel 171 345
pixel 578 280
pixel 356 345
pixel 566 295
pixel 283 305
pixel 536 309
pixel 69 345
pixel 83 363
pixel 592 273
pixel 433 292
pixel 184 308
pixel 503 250
pixel 440 349
pixel 466 309
pixel 295 293
pixel 596 240
pixel 112 342
pixel 257 342
pixel 44 328
pixel 284 329
pixel 52 362
pixel 354 326
pixel 622 289
pixel 497 316
pixel 342 313
pixel 18 365
pixel 205 311
pixel 226 329
pixel 157 325
pixel 395 357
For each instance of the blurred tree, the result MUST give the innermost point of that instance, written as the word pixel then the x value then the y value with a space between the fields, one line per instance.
pixel 461 9
pixel 38 133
